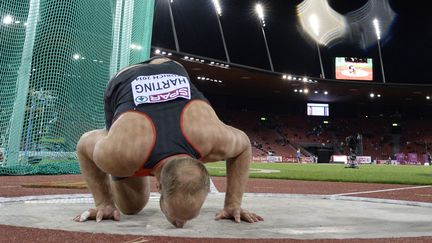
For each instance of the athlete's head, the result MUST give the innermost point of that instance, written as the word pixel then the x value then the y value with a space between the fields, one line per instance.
pixel 184 185
pixel 159 60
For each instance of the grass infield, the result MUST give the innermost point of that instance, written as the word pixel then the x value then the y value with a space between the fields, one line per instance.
pixel 390 174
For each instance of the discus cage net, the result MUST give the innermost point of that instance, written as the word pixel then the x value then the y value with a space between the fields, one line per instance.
pixel 56 58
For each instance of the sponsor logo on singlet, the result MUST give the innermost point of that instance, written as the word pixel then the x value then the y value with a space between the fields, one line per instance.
pixel 160 88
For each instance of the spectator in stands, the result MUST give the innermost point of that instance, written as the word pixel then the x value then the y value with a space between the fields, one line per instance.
pixel 144 138
pixel 429 158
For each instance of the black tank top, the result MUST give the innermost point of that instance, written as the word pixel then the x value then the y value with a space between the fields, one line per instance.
pixel 166 116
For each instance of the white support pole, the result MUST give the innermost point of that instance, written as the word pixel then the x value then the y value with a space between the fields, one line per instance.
pixel 22 86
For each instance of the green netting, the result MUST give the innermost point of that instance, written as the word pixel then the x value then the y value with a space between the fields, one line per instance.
pixel 56 58
pixel 43 168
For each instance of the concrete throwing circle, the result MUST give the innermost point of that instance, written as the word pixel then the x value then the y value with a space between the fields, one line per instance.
pixel 286 216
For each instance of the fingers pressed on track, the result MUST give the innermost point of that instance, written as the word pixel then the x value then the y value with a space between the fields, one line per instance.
pixel 84 216
pixel 116 215
pixel 99 216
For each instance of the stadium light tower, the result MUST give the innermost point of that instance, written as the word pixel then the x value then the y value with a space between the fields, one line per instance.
pixel 314 22
pixel 378 35
pixel 173 26
pixel 260 12
pixel 218 9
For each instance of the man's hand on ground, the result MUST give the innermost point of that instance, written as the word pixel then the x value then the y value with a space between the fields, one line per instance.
pixel 238 214
pixel 99 213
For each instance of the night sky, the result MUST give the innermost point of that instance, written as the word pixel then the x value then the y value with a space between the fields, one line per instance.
pixel 406 49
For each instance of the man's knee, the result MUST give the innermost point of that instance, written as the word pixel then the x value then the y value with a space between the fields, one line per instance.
pixel 89 139
pixel 130 205
pixel 132 208
pixel 84 145
pixel 131 194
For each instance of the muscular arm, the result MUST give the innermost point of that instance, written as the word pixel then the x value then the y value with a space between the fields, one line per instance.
pixel 217 142
pixel 97 180
pixel 237 167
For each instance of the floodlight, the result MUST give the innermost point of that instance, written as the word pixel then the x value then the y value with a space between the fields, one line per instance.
pixel 218 10
pixel 377 28
pixel 7 19
pixel 76 56
pixel 217 7
pixel 260 11
pixel 378 34
pixel 313 20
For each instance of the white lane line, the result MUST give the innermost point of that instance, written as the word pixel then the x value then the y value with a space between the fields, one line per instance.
pixel 213 188
pixel 384 190
pixel 88 199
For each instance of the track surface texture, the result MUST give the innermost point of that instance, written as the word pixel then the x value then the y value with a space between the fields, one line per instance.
pixel 15 186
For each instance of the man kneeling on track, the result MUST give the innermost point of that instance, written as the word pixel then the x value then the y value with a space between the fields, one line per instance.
pixel 159 124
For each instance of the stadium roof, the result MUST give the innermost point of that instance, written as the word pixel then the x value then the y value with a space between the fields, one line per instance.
pixel 405 36
pixel 218 77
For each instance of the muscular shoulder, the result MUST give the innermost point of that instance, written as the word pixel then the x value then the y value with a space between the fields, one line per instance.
pixel 228 142
pixel 215 139
pixel 133 131
pixel 232 141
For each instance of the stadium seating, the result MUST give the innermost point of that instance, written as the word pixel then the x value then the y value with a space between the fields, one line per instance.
pixel 282 134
